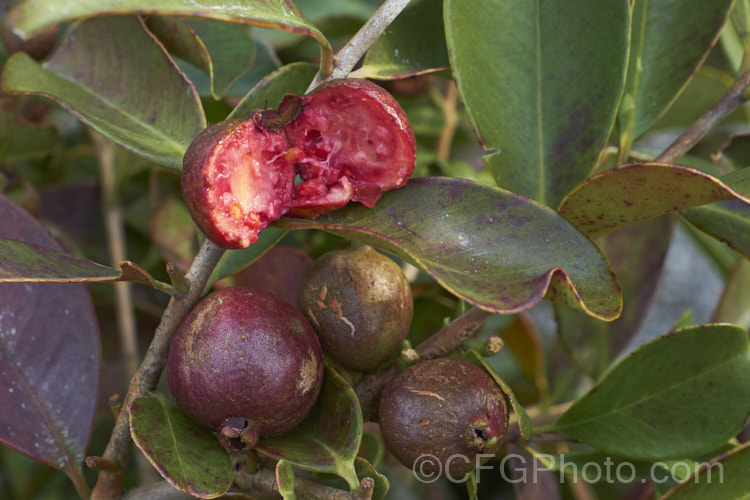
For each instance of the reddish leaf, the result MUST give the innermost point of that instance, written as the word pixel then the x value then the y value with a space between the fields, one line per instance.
pixel 523 339
pixel 49 360
pixel 639 191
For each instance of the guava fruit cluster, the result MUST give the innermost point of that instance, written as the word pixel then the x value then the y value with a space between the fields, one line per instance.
pixel 348 140
pixel 245 363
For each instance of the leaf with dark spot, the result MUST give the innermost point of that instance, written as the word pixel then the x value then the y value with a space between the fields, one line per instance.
pixel 497 250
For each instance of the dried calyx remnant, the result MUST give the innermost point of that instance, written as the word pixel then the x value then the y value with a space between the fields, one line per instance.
pixel 348 140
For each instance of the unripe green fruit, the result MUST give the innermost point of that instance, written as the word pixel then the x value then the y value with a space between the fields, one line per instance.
pixel 359 303
pixel 448 408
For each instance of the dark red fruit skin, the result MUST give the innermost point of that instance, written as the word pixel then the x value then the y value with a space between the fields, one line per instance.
pixel 348 140
pixel 443 407
pixel 245 356
pixel 360 304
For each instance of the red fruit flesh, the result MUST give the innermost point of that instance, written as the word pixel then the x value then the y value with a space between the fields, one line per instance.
pixel 246 364
pixel 347 140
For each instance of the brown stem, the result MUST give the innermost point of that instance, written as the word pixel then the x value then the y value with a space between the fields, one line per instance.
pixel 442 343
pixel 730 101
pixel 365 490
pixel 99 463
pixel 265 480
pixel 109 485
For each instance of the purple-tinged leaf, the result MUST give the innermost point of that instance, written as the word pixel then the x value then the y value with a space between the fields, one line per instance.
pixel 117 78
pixel 494 249
pixel 33 15
pixel 188 455
pixel 541 82
pixel 640 191
pixel 290 79
pixel 328 439
pixel 26 262
pixel 224 51
pixel 49 360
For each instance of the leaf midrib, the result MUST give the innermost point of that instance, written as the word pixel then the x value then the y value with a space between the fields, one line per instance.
pixel 619 409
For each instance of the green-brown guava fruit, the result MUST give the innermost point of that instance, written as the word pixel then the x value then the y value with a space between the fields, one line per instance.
pixel 359 303
pixel 245 363
pixel 445 410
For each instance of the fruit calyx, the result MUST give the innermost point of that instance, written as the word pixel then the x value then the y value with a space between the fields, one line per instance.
pixel 348 140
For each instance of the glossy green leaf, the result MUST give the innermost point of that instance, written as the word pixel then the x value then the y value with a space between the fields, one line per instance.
pixel 114 75
pixel 293 78
pixel 328 439
pixel 655 42
pixel 727 221
pixel 639 191
pixel 734 304
pixel 21 142
pixel 725 477
pixel 33 15
pixel 494 249
pixel 735 153
pixel 541 82
pixel 524 422
pixel 224 51
pixel 684 321
pixel 680 395
pixel 413 44
pixel 285 480
pixel 187 454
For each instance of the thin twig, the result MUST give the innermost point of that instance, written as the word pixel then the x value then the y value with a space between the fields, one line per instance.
pixel 109 485
pixel 352 52
pixel 451 121
pixel 442 343
pixel 730 101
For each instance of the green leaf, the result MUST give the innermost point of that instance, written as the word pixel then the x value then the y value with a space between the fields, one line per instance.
pixel 727 221
pixel 33 15
pixel 677 396
pixel 541 81
pixel 640 191
pixel 290 79
pixel 114 75
pixel 21 142
pixel 725 477
pixel 492 248
pixel 684 321
pixel 328 439
pixel 224 51
pixel 188 455
pixel 413 44
pixel 734 304
pixel 524 422
pixel 285 480
pixel 650 89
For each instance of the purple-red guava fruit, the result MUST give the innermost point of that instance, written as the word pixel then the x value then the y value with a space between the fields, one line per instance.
pixel 348 140
pixel 245 363
pixel 360 304
pixel 448 408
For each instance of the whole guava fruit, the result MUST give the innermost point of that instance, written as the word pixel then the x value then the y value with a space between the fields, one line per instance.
pixel 359 303
pixel 448 408
pixel 348 140
pixel 245 363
